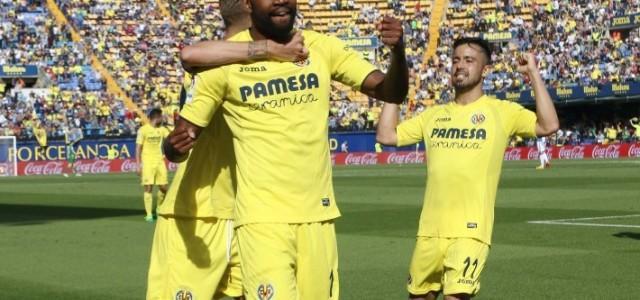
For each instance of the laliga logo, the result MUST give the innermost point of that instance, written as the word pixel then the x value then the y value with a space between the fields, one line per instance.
pixel 634 150
pixel 361 159
pixel 129 165
pixel 513 154
pixel 405 158
pixel 95 167
pixel 49 168
pixel 612 151
pixel 172 166
pixel 576 152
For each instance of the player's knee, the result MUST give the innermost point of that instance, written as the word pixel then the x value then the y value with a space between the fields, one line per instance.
pixel 457 297
pixel 148 188
pixel 163 188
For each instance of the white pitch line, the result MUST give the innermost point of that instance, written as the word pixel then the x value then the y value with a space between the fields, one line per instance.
pixel 583 224
pixel 589 219
pixel 573 223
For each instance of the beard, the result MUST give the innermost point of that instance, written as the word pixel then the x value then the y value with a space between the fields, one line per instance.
pixel 466 84
pixel 280 32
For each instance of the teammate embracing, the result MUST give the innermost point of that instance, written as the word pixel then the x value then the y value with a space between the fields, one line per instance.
pixel 465 140
pixel 277 112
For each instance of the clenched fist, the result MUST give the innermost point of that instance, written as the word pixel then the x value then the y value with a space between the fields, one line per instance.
pixel 391 32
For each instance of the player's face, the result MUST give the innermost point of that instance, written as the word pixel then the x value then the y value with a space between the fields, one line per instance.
pixel 469 62
pixel 274 18
pixel 155 121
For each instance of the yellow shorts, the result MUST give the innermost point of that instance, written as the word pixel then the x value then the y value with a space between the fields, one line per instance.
pixel 451 265
pixel 154 173
pixel 289 261
pixel 194 259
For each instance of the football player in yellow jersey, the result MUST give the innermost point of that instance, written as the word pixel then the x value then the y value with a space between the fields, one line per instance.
pixel 195 253
pixel 465 141
pixel 152 168
pixel 277 113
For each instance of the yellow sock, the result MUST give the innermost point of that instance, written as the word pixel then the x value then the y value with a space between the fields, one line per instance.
pixel 148 203
pixel 160 198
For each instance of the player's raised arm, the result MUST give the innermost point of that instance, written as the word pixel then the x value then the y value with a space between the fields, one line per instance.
pixel 386 132
pixel 545 111
pixel 178 143
pixel 393 86
pixel 209 54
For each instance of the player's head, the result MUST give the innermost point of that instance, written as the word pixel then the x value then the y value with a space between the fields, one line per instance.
pixel 273 18
pixel 471 58
pixel 155 117
pixel 235 12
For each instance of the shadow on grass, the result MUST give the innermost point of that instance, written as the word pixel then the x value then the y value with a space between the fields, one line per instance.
pixel 24 214
pixel 628 235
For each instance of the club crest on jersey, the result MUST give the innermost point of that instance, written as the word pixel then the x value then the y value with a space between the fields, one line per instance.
pixel 265 292
pixel 184 295
pixel 302 63
pixel 477 118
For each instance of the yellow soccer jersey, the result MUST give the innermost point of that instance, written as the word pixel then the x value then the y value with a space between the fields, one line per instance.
pixel 465 150
pixel 204 185
pixel 277 112
pixel 151 140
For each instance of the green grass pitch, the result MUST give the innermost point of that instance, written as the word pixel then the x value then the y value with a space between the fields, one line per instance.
pixel 85 238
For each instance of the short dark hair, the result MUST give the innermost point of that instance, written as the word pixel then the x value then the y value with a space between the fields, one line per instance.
pixel 231 10
pixel 156 112
pixel 482 43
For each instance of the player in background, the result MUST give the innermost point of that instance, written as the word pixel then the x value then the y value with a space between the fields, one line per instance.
pixel 151 166
pixel 41 137
pixel 466 140
pixel 636 129
pixel 195 249
pixel 543 156
pixel 277 113
pixel 72 138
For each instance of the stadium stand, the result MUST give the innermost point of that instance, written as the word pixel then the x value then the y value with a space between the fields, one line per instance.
pixel 138 42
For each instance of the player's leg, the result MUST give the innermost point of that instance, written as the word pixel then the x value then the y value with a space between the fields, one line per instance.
pixel 231 283
pixel 464 261
pixel 189 258
pixel 427 268
pixel 148 202
pixel 268 257
pixel 317 261
pixel 161 180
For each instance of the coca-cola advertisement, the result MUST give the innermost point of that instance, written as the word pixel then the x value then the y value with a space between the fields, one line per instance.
pixel 101 166
pixel 85 166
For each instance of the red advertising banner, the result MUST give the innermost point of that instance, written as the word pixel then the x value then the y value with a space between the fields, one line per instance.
pixel 97 166
pixel 85 166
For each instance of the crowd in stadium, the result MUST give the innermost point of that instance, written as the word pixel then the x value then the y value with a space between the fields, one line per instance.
pixel 139 46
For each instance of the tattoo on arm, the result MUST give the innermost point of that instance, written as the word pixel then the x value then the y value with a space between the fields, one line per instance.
pixel 258 49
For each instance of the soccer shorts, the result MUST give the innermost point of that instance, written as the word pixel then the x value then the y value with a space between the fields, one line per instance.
pixel 194 259
pixel 450 265
pixel 154 173
pixel 289 261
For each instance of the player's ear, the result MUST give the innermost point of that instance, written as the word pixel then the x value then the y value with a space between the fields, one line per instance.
pixel 248 4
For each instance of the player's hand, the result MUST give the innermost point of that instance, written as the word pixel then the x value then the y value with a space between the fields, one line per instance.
pixel 293 51
pixel 527 64
pixel 391 32
pixel 178 143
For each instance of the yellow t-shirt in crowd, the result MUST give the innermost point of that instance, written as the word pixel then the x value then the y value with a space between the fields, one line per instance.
pixel 277 112
pixel 465 146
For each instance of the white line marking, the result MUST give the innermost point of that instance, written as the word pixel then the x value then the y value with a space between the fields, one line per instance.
pixel 570 221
